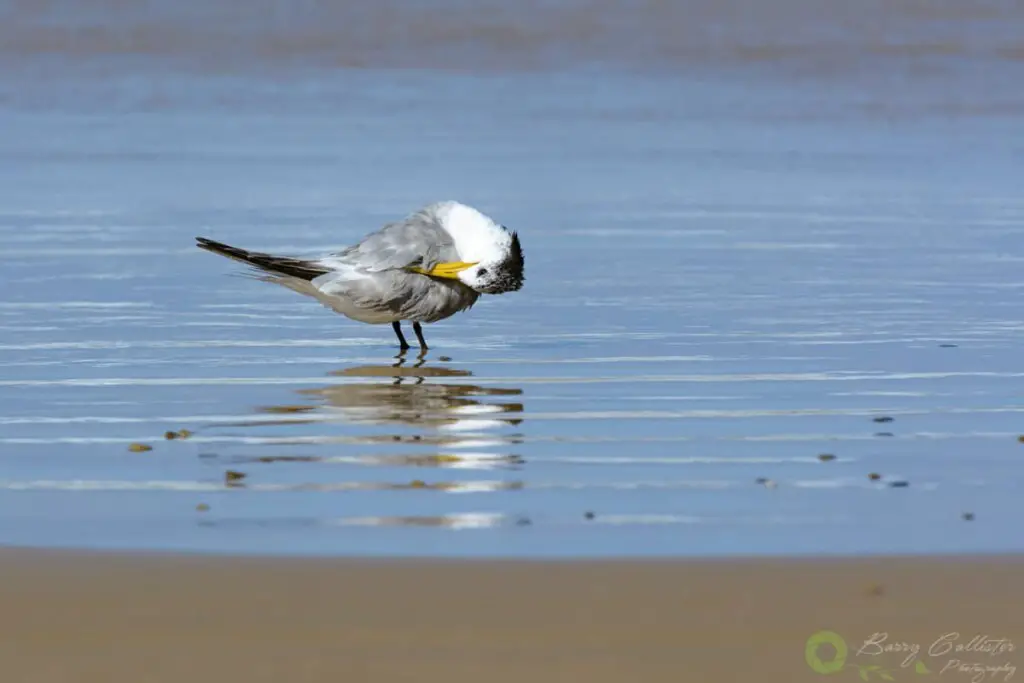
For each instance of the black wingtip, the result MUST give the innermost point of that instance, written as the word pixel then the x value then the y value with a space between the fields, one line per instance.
pixel 215 247
pixel 206 244
pixel 282 265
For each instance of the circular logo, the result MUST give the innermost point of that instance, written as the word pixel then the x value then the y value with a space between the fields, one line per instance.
pixel 825 638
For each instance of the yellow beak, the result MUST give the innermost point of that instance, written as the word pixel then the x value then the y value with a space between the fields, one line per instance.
pixel 446 270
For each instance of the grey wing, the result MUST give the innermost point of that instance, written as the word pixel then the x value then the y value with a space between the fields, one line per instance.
pixel 415 241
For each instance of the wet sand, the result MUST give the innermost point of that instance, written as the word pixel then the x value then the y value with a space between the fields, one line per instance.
pixel 109 617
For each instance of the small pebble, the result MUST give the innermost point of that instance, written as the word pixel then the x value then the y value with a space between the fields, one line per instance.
pixel 139 448
pixel 883 418
pixel 899 484
pixel 202 507
pixel 826 457
pixel 588 515
pixel 286 409
pixel 968 516
pixel 444 359
pixel 874 476
pixel 232 475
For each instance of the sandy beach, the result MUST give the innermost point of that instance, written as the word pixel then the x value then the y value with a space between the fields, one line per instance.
pixel 109 617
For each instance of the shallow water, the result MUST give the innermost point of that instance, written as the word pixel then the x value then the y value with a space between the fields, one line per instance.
pixel 729 274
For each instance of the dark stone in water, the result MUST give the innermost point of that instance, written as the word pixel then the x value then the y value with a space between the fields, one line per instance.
pixel 588 514
pixel 968 516
pixel 883 418
pixel 874 476
pixel 899 484
pixel 826 457
pixel 883 434
pixel 947 346
pixel 286 409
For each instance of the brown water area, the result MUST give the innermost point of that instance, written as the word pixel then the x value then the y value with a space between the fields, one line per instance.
pixel 906 57
pixel 814 38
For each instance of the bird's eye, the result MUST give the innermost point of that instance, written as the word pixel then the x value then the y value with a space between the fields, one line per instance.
pixel 482 272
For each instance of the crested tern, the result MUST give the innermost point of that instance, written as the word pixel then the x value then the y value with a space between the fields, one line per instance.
pixel 426 267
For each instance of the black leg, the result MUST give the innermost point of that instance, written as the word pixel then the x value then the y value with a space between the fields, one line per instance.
pixel 397 327
pixel 419 335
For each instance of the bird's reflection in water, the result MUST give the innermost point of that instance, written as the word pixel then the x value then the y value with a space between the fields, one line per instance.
pixel 462 421
pixel 410 399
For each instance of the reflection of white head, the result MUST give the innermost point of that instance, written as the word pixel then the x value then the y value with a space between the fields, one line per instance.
pixel 494 251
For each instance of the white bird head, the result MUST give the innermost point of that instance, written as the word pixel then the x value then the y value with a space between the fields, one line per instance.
pixel 491 252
